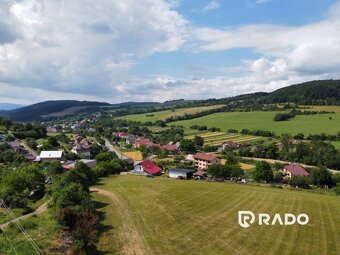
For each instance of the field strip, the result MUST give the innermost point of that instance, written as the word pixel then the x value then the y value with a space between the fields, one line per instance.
pixel 233 138
pixel 224 138
pixel 132 244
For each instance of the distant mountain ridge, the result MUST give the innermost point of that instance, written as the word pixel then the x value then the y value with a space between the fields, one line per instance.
pixel 323 92
pixel 7 106
pixel 37 111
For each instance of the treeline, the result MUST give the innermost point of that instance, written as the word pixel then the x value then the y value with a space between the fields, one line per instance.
pixel 294 112
pixel 316 153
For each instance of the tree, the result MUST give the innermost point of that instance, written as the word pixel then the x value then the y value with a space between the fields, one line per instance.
pixel 263 172
pixel 337 189
pixel 321 177
pixel 300 181
pixel 287 145
pixel 198 141
pixel 188 145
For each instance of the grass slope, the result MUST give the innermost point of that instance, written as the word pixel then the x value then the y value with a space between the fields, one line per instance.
pixel 193 217
pixel 162 115
pixel 307 124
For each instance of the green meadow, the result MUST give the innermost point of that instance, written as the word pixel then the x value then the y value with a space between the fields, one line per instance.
pixel 306 124
pixel 162 115
pixel 166 216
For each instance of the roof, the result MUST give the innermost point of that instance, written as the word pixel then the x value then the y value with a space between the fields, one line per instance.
pixel 170 147
pixel 51 154
pixel 295 169
pixel 181 170
pixel 200 173
pixel 150 167
pixel 82 147
pixel 231 144
pixel 204 156
pixel 14 144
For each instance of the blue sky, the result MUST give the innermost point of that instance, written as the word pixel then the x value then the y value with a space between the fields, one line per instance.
pixel 157 50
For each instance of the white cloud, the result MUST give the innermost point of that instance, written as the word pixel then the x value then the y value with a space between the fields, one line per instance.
pixel 64 50
pixel 65 46
pixel 310 48
pixel 262 1
pixel 212 5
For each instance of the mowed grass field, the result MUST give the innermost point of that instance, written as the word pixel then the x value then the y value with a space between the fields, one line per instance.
pixel 162 115
pixel 218 138
pixel 307 124
pixel 166 216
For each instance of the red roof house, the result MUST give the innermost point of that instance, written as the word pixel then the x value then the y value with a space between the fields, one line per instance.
pixel 147 167
pixel 293 170
pixel 170 147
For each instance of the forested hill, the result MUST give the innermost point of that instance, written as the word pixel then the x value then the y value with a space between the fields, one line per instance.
pixel 39 110
pixel 313 92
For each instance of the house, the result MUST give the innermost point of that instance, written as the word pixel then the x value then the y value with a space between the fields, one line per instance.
pixel 131 139
pixel 190 157
pixel 180 173
pixel 30 157
pixel 143 141
pixel 291 170
pixel 199 175
pixel 230 145
pixel 50 155
pixel 82 149
pixel 16 146
pixel 120 134
pixel 147 167
pixel 171 148
pixel 91 163
pixel 78 139
pixel 202 160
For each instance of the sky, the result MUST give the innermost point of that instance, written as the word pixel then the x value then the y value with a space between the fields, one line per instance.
pixel 157 50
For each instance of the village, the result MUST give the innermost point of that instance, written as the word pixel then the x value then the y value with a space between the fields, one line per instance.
pixel 137 152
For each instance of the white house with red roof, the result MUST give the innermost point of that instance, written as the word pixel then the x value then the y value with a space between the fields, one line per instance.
pixel 147 167
pixel 203 160
pixel 291 170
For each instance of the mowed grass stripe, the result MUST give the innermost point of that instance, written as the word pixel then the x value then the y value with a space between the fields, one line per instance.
pixel 194 217
pixel 225 137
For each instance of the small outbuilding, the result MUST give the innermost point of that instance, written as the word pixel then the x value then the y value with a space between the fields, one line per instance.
pixel 181 173
pixel 50 155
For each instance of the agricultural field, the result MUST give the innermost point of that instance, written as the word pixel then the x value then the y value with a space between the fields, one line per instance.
pixel 307 124
pixel 162 115
pixel 319 108
pixel 218 138
pixel 135 155
pixel 165 216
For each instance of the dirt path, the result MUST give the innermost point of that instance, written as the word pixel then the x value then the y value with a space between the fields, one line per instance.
pixel 133 243
pixel 37 211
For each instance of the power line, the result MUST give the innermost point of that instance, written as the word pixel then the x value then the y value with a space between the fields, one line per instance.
pixel 23 231
pixel 9 240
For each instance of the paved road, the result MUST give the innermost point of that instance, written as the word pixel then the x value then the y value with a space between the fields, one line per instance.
pixel 37 211
pixel 110 147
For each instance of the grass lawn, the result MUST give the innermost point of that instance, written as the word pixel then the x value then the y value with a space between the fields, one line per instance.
pixel 42 229
pixel 307 124
pixel 162 115
pixel 166 216
pixel 336 144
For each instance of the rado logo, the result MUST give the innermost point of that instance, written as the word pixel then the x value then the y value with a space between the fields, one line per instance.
pixel 247 218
